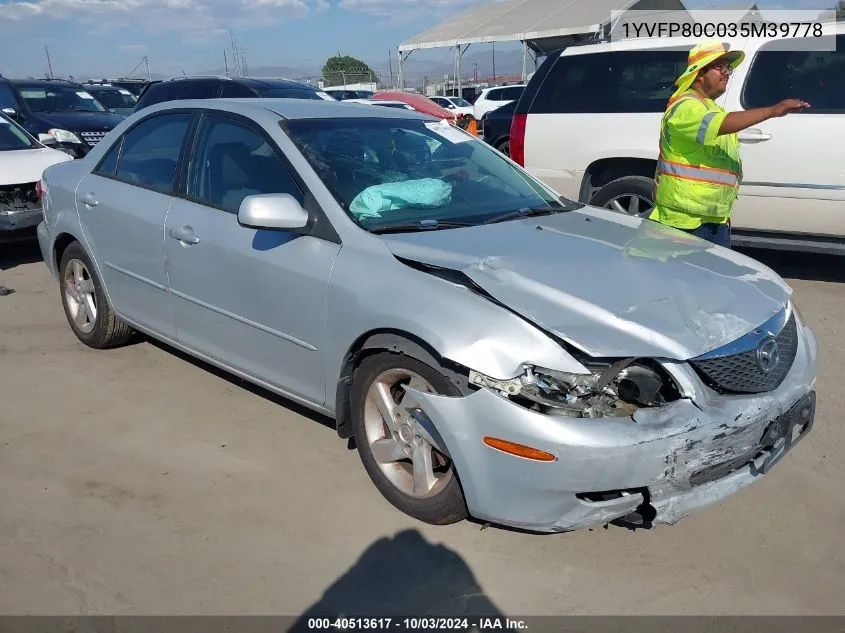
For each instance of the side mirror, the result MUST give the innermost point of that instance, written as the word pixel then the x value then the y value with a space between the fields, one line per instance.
pixel 272 211
pixel 11 113
pixel 47 139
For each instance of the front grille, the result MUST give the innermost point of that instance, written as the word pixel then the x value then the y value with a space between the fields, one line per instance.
pixel 741 373
pixel 18 198
pixel 92 138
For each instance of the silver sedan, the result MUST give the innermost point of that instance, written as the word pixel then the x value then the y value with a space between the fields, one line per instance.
pixel 495 351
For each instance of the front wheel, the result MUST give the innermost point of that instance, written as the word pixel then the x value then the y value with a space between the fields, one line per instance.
pixel 631 195
pixel 414 476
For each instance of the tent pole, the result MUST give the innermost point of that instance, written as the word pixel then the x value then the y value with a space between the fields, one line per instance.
pixel 524 60
pixel 458 72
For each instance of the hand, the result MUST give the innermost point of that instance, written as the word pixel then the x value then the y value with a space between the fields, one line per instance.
pixel 788 106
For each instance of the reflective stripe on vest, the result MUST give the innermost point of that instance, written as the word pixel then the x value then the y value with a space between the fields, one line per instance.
pixel 710 175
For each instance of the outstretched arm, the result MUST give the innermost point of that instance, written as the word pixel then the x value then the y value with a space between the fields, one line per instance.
pixel 737 121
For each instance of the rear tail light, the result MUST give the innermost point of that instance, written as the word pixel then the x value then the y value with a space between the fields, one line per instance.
pixel 39 190
pixel 517 139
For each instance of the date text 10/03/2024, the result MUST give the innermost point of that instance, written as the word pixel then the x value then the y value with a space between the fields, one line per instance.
pixel 417 624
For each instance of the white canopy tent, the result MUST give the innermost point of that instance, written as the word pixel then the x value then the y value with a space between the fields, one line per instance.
pixel 541 25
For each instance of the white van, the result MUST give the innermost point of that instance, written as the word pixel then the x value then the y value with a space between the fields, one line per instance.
pixel 588 125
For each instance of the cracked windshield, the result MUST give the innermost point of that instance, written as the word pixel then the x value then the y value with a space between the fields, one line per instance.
pixel 390 172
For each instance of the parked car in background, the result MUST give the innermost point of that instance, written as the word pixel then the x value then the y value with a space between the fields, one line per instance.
pixel 456 104
pixel 418 102
pixel 496 351
pixel 345 95
pixel 204 87
pixel 381 102
pixel 117 100
pixel 62 109
pixel 497 127
pixel 22 160
pixel 491 98
pixel 588 125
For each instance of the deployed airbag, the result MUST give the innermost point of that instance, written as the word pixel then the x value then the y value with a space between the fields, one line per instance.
pixel 424 193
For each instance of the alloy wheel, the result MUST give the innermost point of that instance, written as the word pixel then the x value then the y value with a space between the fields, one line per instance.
pixel 395 438
pixel 631 204
pixel 80 296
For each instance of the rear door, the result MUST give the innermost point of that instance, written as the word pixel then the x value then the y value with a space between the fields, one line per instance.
pixel 253 299
pixel 122 206
pixel 793 175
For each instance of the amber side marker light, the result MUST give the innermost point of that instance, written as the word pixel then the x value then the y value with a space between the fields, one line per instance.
pixel 519 450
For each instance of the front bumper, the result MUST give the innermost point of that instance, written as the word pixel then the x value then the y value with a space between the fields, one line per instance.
pixel 662 465
pixel 22 220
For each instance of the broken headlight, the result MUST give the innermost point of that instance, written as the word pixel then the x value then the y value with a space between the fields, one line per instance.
pixel 615 390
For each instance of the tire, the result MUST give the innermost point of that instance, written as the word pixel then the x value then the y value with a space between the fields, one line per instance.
pixel 623 190
pixel 105 329
pixel 444 503
pixel 505 147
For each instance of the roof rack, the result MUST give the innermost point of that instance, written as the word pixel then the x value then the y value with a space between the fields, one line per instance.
pixel 180 77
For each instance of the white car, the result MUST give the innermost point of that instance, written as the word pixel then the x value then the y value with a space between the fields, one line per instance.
pixel 22 161
pixel 589 122
pixel 492 98
pixel 456 104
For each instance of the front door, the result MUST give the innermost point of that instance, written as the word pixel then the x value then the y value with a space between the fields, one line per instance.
pixel 793 175
pixel 122 206
pixel 252 299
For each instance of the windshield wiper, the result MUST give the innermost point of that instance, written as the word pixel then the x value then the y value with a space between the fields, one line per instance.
pixel 420 225
pixel 528 212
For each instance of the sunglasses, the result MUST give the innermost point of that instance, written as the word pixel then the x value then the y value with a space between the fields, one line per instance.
pixel 722 67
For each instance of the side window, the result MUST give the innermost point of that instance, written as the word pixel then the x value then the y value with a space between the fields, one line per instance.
pixel 512 94
pixel 235 90
pixel 232 161
pixel 495 95
pixel 624 81
pixel 108 164
pixel 814 76
pixel 151 152
pixel 200 89
pixel 158 93
pixel 7 97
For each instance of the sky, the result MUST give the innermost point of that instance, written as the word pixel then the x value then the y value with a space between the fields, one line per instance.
pixel 93 38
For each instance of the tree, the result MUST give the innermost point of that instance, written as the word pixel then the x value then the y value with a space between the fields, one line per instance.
pixel 342 69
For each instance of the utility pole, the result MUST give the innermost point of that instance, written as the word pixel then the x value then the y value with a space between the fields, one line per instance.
pixel 225 62
pixel 494 61
pixel 49 64
pixel 147 61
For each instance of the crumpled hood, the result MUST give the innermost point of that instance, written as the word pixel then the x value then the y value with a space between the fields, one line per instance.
pixel 26 165
pixel 609 284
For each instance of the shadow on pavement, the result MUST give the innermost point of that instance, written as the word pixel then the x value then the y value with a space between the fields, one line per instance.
pixel 18 253
pixel 804 266
pixel 403 576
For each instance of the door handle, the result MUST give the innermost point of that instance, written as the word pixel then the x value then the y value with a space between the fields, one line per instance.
pixel 89 200
pixel 184 234
pixel 753 135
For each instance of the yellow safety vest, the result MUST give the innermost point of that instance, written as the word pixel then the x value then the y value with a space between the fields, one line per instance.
pixel 698 172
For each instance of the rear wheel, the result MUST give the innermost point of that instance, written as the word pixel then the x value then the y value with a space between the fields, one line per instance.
pixel 413 475
pixel 505 147
pixel 87 310
pixel 631 195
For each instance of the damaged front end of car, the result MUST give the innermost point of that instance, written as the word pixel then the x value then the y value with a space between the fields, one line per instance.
pixel 615 389
pixel 632 441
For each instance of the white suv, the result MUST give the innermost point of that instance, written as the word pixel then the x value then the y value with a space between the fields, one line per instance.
pixel 588 125
pixel 492 98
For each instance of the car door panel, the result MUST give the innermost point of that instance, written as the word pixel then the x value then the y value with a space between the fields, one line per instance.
pixel 793 180
pixel 122 208
pixel 252 299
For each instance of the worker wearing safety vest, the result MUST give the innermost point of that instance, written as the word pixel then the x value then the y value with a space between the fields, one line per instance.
pixel 699 169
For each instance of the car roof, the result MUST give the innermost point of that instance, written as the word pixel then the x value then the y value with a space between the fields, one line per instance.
pixel 292 109
pixel 37 83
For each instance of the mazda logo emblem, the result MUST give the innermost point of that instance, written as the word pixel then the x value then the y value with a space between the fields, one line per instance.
pixel 768 354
